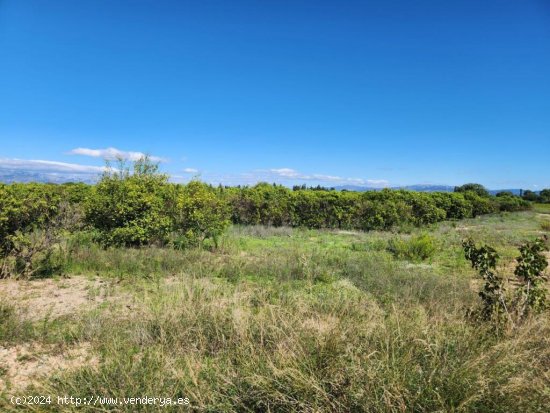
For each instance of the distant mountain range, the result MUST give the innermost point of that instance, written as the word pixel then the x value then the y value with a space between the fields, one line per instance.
pixel 17 175
pixel 418 188
pixel 8 175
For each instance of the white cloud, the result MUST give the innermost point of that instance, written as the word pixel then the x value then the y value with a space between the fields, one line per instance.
pixel 48 166
pixel 71 171
pixel 36 170
pixel 286 172
pixel 113 154
pixel 288 176
pixel 292 174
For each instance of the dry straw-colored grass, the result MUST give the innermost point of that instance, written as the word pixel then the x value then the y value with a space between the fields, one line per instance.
pixel 285 321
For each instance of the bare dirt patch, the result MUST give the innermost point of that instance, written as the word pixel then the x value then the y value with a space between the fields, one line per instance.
pixel 38 299
pixel 26 364
pixel 344 232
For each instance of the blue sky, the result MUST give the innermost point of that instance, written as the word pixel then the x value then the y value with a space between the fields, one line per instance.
pixel 372 92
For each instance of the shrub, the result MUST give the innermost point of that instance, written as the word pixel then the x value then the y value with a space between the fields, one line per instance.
pixel 24 208
pixel 529 292
pixel 425 210
pixel 507 203
pixel 131 209
pixel 417 248
pixel 454 205
pixel 478 189
pixel 531 196
pixel 484 259
pixel 200 215
pixel 530 273
pixel 32 219
pixel 545 196
pixel 480 205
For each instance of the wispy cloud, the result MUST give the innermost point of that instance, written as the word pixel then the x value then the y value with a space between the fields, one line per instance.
pixel 286 176
pixel 112 154
pixel 18 169
pixel 292 174
pixel 286 173
pixel 23 170
pixel 48 166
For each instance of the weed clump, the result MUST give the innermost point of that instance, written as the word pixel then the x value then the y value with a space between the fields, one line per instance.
pixel 545 226
pixel 417 248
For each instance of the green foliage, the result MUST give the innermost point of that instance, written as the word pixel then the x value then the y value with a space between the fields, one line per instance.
pixel 138 206
pixel 24 208
pixel 511 203
pixel 200 214
pixel 262 204
pixel 478 189
pixel 417 248
pixel 275 205
pixel 480 205
pixel 322 209
pixel 530 272
pixel 544 196
pixel 530 292
pixel 131 209
pixel 484 259
pixel 425 210
pixel 530 196
pixel 32 220
pixel 455 205
pixel 283 319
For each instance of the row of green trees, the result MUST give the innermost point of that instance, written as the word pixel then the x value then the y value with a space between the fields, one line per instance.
pixel 372 210
pixel 139 206
pixel 542 197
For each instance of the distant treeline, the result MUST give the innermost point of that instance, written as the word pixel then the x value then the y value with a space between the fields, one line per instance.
pixel 542 197
pixel 139 206
pixel 372 210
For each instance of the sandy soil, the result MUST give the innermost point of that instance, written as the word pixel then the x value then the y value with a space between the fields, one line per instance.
pixel 24 364
pixel 48 298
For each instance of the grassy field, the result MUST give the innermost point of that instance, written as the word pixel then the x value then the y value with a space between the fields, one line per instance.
pixel 278 319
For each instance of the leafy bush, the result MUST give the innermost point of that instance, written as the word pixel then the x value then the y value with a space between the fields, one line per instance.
pixel 454 205
pixel 545 196
pixel 530 272
pixel 200 214
pixel 140 207
pixel 24 208
pixel 530 196
pixel 425 210
pixel 529 291
pixel 32 220
pixel 131 209
pixel 417 248
pixel 480 205
pixel 478 189
pixel 507 203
